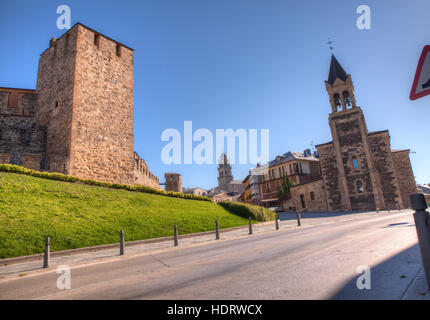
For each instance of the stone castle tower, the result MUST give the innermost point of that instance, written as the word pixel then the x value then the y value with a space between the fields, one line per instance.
pixel 224 173
pixel 85 100
pixel 359 169
pixel 173 182
pixel 79 121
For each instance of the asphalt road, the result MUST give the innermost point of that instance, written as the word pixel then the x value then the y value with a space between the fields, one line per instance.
pixel 318 262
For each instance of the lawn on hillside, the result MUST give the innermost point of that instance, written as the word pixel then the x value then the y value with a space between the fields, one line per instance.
pixel 76 215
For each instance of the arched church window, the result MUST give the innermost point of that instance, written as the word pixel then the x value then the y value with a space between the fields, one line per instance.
pixel 355 163
pixel 360 187
pixel 347 99
pixel 337 102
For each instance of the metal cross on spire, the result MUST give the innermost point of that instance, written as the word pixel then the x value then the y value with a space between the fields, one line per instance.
pixel 330 43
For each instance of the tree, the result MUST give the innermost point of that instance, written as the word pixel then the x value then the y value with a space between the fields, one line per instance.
pixel 285 190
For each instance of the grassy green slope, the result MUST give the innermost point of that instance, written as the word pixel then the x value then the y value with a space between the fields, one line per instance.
pixel 77 215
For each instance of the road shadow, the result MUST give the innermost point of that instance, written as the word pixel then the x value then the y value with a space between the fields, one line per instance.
pixel 389 279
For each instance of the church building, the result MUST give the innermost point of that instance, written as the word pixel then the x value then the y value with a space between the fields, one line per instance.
pixel 359 169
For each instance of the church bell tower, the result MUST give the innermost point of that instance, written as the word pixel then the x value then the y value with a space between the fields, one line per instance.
pixel 358 182
pixel 224 173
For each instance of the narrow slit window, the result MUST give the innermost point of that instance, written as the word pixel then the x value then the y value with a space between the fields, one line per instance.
pixel 118 50
pixel 96 40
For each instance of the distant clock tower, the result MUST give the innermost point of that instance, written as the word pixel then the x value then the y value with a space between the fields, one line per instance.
pixel 224 173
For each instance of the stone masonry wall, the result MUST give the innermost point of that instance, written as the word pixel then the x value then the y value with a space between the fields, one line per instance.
pixel 102 143
pixel 313 195
pixel 142 175
pixel 351 144
pixel 54 106
pixel 330 176
pixel 173 182
pixel 17 101
pixel 20 136
pixel 405 175
pixel 383 162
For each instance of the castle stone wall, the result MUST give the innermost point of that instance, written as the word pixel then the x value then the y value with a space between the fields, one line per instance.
pixel 54 104
pixel 142 175
pixel 17 101
pixel 19 138
pixel 173 182
pixel 102 143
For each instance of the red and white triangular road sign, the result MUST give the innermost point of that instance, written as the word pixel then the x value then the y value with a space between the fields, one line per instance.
pixel 421 86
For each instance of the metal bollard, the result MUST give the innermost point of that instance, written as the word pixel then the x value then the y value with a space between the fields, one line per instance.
pixel 299 222
pixel 250 226
pixel 121 243
pixel 216 230
pixel 277 221
pixel 422 224
pixel 47 254
pixel 175 235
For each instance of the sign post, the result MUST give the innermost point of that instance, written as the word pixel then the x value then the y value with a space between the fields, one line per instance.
pixel 421 85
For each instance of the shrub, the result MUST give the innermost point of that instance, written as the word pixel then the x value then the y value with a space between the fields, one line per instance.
pixel 246 210
pixel 66 178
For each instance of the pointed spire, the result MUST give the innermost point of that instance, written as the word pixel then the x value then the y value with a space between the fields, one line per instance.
pixel 336 71
pixel 223 160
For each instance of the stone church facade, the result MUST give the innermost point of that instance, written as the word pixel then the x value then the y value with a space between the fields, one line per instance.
pixel 79 120
pixel 359 169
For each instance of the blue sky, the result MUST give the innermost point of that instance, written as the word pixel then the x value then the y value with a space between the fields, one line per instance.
pixel 249 64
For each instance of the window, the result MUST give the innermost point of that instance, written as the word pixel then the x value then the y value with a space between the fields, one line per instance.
pixel 96 40
pixel 312 195
pixel 360 187
pixel 56 104
pixel 355 163
pixel 337 102
pixel 347 99
pixel 118 50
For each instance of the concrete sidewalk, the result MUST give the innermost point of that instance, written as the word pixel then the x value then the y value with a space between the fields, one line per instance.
pixel 418 289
